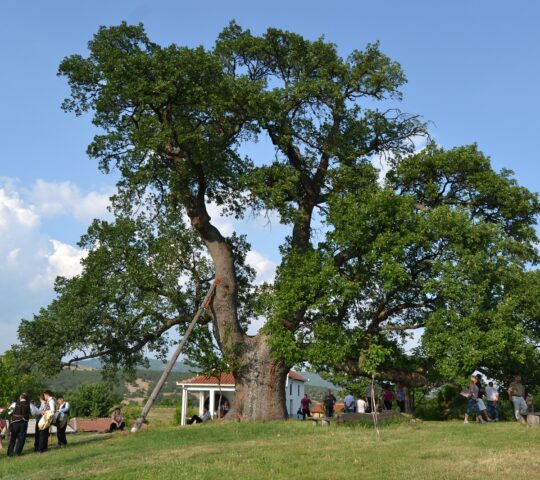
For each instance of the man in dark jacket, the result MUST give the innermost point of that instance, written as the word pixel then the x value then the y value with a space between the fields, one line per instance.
pixel 329 402
pixel 20 414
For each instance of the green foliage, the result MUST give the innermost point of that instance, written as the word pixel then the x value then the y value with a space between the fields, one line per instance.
pixel 14 381
pixel 442 244
pixel 92 400
pixel 445 245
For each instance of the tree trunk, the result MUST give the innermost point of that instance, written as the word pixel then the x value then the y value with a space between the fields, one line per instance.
pixel 260 384
pixel 408 408
pixel 259 377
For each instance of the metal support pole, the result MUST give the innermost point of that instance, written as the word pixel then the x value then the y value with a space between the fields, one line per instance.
pixel 204 305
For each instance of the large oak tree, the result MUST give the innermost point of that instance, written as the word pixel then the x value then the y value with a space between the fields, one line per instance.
pixel 367 260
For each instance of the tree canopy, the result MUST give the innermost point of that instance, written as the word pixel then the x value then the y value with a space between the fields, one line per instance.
pixel 442 242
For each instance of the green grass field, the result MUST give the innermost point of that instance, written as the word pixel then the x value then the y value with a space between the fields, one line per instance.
pixel 291 450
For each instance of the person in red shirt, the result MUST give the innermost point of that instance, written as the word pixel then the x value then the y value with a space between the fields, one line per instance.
pixel 388 397
pixel 304 405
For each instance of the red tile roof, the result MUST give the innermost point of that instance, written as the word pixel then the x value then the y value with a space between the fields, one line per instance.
pixel 227 379
pixel 296 376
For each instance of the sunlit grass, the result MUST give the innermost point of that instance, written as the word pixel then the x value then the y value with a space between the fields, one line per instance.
pixel 424 450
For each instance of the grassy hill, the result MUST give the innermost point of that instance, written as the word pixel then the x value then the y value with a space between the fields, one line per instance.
pixel 291 450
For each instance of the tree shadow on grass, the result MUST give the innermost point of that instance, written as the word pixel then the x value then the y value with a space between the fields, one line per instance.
pixel 97 437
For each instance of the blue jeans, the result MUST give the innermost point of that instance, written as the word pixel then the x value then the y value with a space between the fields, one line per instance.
pixel 493 409
pixel 329 411
pixel 472 405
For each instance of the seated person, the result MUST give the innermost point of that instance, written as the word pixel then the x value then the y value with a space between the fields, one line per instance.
pixel 224 408
pixel 117 421
pixel 196 419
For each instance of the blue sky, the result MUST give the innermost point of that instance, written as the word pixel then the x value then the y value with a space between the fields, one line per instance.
pixel 473 70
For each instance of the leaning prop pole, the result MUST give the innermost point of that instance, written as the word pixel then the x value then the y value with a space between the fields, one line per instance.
pixel 204 305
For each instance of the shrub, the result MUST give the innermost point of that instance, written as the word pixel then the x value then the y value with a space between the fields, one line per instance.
pixel 445 404
pixel 93 400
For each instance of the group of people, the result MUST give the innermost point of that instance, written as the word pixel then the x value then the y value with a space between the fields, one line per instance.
pixel 384 400
pixel 522 401
pixel 47 412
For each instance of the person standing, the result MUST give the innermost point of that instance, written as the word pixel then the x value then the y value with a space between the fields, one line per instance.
pixel 492 395
pixel 388 398
pixel 329 402
pixel 472 404
pixel 47 413
pixel 20 414
pixel 400 397
pixel 349 403
pixel 62 417
pixel 36 412
pixel 304 406
pixel 516 393
pixel 3 426
pixel 480 385
pixel 361 405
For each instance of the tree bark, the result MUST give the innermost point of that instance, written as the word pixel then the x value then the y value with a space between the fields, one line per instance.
pixel 408 407
pixel 260 384
pixel 259 377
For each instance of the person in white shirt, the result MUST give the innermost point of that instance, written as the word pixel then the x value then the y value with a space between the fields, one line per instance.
pixel 61 420
pixel 43 435
pixel 361 405
pixel 492 395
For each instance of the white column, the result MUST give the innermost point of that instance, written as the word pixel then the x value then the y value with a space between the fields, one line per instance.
pixel 184 406
pixel 212 402
pixel 201 404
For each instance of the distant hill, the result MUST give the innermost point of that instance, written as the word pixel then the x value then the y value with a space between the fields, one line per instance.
pixel 155 365
pixel 315 380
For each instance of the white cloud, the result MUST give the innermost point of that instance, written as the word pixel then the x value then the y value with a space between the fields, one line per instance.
pixel 265 268
pixel 30 259
pixel 62 261
pixel 222 223
pixel 383 161
pixel 52 199
pixel 12 210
